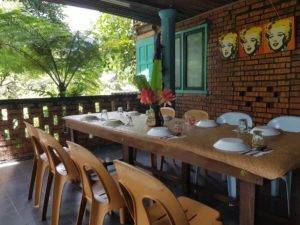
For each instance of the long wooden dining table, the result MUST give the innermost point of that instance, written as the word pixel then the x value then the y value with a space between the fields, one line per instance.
pixel 195 147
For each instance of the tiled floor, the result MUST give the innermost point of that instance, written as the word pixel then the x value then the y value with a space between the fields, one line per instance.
pixel 15 209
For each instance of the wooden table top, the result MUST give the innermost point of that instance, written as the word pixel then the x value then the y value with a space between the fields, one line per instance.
pixel 284 157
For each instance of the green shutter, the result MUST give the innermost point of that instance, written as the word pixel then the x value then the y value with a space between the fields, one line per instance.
pixel 144 56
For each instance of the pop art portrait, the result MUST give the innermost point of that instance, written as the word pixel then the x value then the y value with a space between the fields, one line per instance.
pixel 280 35
pixel 228 45
pixel 250 41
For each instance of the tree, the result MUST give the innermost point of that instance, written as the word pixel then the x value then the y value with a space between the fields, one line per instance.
pixel 50 49
pixel 116 41
pixel 45 10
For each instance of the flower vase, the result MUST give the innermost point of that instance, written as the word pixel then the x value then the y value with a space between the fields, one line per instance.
pixel 159 120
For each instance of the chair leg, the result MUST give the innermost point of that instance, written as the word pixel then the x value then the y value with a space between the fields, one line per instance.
pixel 32 179
pixel 154 161
pixel 196 175
pixel 122 215
pixel 81 210
pixel 97 215
pixel 40 171
pixel 59 182
pixel 275 187
pixel 162 161
pixel 231 186
pixel 47 195
pixel 288 185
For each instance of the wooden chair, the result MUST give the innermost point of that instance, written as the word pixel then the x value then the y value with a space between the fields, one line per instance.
pixel 167 111
pixel 196 114
pixel 40 165
pixel 62 169
pixel 101 201
pixel 166 209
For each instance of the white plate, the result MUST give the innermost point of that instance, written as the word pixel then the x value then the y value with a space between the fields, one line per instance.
pixel 159 132
pixel 133 113
pixel 266 131
pixel 231 145
pixel 206 123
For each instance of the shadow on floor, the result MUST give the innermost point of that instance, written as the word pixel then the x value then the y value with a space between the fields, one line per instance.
pixel 15 209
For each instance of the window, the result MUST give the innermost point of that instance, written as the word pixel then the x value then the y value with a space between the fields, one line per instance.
pixel 191 60
pixel 144 56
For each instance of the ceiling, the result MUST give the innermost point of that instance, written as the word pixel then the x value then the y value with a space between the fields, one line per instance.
pixel 147 10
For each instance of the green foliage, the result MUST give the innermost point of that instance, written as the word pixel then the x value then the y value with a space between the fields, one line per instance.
pixel 41 9
pixel 47 48
pixel 117 47
pixel 140 81
pixel 156 77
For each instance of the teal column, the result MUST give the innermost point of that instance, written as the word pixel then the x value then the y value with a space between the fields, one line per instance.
pixel 168 23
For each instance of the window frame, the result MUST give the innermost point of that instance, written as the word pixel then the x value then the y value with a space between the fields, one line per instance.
pixel 183 34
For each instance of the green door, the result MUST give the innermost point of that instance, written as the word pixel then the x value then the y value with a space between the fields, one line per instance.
pixel 144 56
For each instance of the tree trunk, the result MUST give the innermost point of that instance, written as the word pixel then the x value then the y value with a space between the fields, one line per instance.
pixel 62 90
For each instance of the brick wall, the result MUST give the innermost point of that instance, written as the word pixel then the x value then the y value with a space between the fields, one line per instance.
pixel 264 86
pixel 47 114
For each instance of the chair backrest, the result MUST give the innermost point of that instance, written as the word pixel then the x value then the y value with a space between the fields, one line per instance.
pixel 35 140
pixel 196 114
pixel 232 118
pixel 142 187
pixel 56 155
pixel 87 163
pixel 167 111
pixel 286 123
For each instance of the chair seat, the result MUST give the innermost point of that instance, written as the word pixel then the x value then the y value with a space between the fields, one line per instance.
pixel 61 169
pixel 98 190
pixel 43 157
pixel 196 213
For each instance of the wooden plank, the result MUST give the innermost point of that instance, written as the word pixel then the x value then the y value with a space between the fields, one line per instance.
pixel 247 203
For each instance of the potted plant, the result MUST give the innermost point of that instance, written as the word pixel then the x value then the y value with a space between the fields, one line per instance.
pixel 152 93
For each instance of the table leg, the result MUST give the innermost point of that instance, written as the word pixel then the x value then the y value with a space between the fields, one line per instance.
pixel 154 161
pixel 185 175
pixel 128 154
pixel 74 135
pixel 247 203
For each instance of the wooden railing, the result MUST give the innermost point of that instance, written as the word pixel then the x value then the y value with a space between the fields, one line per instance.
pixel 47 113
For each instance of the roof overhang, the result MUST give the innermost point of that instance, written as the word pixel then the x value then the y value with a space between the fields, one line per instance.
pixel 147 10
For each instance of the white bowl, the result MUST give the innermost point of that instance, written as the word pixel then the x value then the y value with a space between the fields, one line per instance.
pixel 231 145
pixel 133 113
pixel 206 123
pixel 266 131
pixel 88 118
pixel 113 122
pixel 159 132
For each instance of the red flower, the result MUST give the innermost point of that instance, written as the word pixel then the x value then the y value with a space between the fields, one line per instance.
pixel 167 97
pixel 147 96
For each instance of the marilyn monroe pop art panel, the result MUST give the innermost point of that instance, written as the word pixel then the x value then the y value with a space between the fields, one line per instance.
pixel 279 35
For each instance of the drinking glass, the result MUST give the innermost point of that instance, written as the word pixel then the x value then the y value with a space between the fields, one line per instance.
pixel 178 128
pixel 120 110
pixel 257 139
pixel 104 114
pixel 243 126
